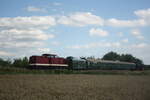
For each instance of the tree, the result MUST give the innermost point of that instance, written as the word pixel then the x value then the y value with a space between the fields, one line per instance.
pixel 124 57
pixel 21 62
pixel 138 61
pixel 130 58
pixel 25 62
pixel 17 62
pixel 111 56
pixel 4 63
pixel 127 58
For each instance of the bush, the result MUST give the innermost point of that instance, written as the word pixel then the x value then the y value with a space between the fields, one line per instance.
pixel 5 63
pixel 22 63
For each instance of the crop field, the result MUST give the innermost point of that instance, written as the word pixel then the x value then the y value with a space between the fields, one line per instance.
pixel 74 87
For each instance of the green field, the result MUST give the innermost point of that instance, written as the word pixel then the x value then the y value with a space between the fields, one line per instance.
pixel 13 70
pixel 74 87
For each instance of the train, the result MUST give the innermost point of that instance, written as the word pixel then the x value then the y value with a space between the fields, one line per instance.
pixel 52 61
pixel 47 61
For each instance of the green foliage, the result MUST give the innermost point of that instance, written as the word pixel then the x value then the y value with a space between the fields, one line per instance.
pixel 124 57
pixel 5 62
pixel 14 70
pixel 111 56
pixel 21 62
pixel 146 67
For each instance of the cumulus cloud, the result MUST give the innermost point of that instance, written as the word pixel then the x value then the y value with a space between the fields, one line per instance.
pixel 40 22
pixel 44 50
pixel 125 40
pixel 137 34
pixel 125 23
pixel 142 20
pixel 140 45
pixel 109 45
pixel 35 9
pixel 120 34
pixel 144 14
pixel 22 34
pixel 4 53
pixel 16 35
pixel 14 45
pixel 98 32
pixel 81 19
pixel 96 45
pixel 87 18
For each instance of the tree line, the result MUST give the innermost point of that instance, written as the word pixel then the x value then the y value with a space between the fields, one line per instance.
pixel 24 62
pixel 122 57
pixel 19 62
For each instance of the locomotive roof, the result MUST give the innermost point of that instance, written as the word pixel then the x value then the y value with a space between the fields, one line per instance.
pixel 49 55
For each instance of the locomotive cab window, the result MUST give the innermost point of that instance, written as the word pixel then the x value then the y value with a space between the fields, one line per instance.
pixel 50 55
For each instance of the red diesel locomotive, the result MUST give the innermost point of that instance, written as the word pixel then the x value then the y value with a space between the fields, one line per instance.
pixel 47 61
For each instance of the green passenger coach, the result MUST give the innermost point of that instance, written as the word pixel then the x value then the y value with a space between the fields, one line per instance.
pixel 78 63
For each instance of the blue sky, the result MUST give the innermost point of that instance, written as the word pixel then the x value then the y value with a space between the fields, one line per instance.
pixel 74 27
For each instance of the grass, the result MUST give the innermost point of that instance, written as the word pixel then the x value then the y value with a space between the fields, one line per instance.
pixel 13 70
pixel 74 87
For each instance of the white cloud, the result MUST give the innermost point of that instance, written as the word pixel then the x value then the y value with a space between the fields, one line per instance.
pixel 116 44
pixel 44 50
pixel 98 32
pixel 96 45
pixel 81 19
pixel 125 40
pixel 143 20
pixel 144 14
pixel 137 34
pixel 14 45
pixel 20 35
pixel 140 45
pixel 15 34
pixel 4 53
pixel 40 22
pixel 55 43
pixel 120 34
pixel 139 50
pixel 140 37
pixel 87 18
pixel 125 23
pixel 35 9
pixel 40 51
pixel 109 45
